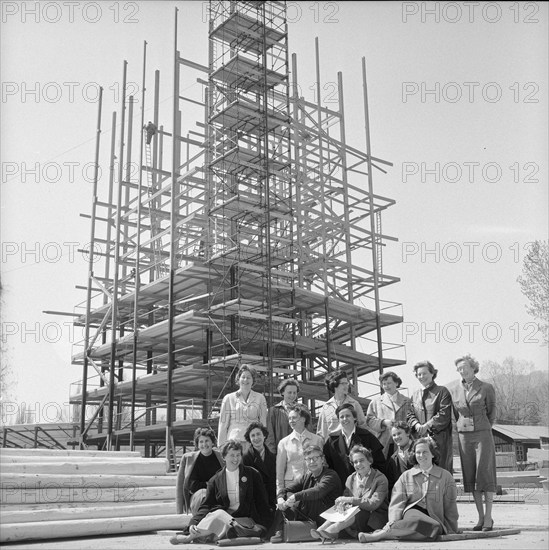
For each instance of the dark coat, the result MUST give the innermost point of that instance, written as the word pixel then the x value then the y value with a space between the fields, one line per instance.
pixel 186 466
pixel 337 452
pixel 267 469
pixel 314 496
pixel 433 406
pixel 278 426
pixel 253 498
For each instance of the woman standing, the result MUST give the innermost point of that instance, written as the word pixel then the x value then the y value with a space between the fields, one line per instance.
pixel 366 488
pixel 389 407
pixel 338 384
pixel 240 408
pixel 475 413
pixel 430 413
pixel 277 417
pixel 234 492
pixel 259 456
pixel 423 504
pixel 195 470
pixel 290 461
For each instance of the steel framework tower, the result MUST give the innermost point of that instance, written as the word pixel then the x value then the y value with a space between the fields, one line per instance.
pixel 256 239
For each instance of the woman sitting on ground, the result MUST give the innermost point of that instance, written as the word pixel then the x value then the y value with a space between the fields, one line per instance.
pixel 195 470
pixel 234 493
pixel 259 456
pixel 423 504
pixel 366 488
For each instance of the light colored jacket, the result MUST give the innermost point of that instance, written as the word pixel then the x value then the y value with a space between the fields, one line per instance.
pixel 236 415
pixel 381 408
pixel 440 498
pixel 374 497
pixel 183 494
pixel 290 463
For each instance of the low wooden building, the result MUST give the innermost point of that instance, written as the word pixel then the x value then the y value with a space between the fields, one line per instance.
pixel 514 441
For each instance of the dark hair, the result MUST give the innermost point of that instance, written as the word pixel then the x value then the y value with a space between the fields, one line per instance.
pixel 311 448
pixel 363 450
pixel 430 442
pixel 346 406
pixel 253 426
pixel 303 411
pixel 203 432
pixel 471 361
pixel 288 382
pixel 231 445
pixel 248 368
pixel 333 379
pixel 427 364
pixel 401 425
pixel 390 374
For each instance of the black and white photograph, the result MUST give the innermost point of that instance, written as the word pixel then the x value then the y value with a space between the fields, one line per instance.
pixel 261 260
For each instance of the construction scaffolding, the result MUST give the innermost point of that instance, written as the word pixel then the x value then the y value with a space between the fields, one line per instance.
pixel 243 241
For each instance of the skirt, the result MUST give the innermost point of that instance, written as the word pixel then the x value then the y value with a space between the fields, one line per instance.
pixel 416 525
pixel 217 522
pixel 477 452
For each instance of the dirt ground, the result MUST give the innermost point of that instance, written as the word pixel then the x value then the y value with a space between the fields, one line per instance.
pixel 531 518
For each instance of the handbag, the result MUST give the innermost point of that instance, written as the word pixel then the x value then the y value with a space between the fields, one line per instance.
pixel 298 531
pixel 245 527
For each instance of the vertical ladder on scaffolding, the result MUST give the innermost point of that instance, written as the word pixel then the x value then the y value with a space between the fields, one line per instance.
pixel 156 245
pixel 377 243
pixel 171 455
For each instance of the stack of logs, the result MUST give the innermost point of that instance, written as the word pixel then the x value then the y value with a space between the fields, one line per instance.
pixel 49 494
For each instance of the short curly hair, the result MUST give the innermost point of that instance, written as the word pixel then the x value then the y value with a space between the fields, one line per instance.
pixel 347 406
pixel 249 369
pixel 253 426
pixel 470 360
pixel 303 411
pixel 231 445
pixel 362 450
pixel 204 432
pixel 401 425
pixel 333 379
pixel 427 364
pixel 288 382
pixel 390 374
pixel 430 442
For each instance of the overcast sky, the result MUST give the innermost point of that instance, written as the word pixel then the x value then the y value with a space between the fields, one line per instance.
pixel 458 103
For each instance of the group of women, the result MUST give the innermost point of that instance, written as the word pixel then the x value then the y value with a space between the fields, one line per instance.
pixel 394 462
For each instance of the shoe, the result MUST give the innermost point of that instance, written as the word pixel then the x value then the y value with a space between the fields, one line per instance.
pixel 486 528
pixel 325 537
pixel 371 537
pixel 478 526
pixel 277 538
pixel 181 539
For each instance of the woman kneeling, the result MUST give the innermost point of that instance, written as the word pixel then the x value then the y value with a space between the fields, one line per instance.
pixel 423 503
pixel 234 495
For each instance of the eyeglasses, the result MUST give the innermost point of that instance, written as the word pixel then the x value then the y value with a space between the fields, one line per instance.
pixel 313 458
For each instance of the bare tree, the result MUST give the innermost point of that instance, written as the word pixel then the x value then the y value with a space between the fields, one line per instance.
pixel 522 393
pixel 534 284
pixel 6 381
